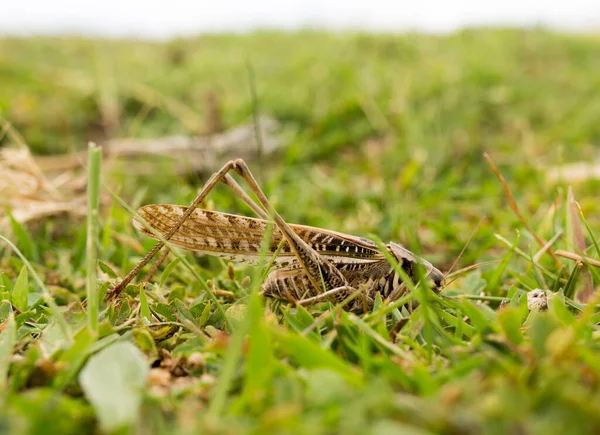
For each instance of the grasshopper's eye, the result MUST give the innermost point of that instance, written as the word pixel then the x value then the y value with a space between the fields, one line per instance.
pixel 437 277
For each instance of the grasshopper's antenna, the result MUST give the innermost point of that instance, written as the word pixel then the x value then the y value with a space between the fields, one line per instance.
pixel 448 273
pixel 461 272
pixel 464 247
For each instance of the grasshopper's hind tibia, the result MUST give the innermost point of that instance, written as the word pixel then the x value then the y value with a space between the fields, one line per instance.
pixel 321 273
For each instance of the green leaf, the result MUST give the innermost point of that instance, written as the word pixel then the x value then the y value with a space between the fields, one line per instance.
pixel 542 325
pixel 259 357
pixel 24 240
pixel 499 271
pixel 143 338
pixel 557 306
pixel 121 313
pixel 308 354
pixel 7 341
pixel 205 315
pixel 164 312
pixel 107 269
pixel 5 282
pixel 478 317
pixel 391 427
pixel 184 313
pixel 473 283
pixel 237 313
pixel 510 322
pixel 47 411
pixel 326 387
pixel 5 310
pixel 144 308
pixel 165 275
pixel 457 323
pixel 74 357
pixel 589 229
pixel 300 319
pixel 20 291
pixel 113 382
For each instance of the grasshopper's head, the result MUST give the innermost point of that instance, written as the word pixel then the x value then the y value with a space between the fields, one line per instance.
pixel 408 261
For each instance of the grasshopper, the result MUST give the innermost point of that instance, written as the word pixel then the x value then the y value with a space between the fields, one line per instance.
pixel 309 264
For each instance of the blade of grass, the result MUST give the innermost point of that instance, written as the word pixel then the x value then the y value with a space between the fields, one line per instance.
pixel 570 285
pixel 7 341
pixel 358 322
pixel 497 275
pixel 589 230
pixel 20 291
pixel 23 237
pixel 526 255
pixel 430 317
pixel 538 254
pixel 515 208
pixel 234 350
pixel 93 198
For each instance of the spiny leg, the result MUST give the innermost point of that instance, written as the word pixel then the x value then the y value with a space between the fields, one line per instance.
pixel 240 192
pixel 220 175
pixel 324 296
pixel 320 272
pixel 357 299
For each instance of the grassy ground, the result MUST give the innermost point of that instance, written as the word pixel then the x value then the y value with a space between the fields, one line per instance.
pixel 384 135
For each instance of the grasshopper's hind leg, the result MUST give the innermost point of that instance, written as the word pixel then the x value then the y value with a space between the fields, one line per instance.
pixel 221 175
pixel 322 274
pixel 293 285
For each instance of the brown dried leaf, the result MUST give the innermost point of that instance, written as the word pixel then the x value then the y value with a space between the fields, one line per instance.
pixel 578 240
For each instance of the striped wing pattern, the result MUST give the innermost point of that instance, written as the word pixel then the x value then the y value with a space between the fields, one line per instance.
pixel 239 238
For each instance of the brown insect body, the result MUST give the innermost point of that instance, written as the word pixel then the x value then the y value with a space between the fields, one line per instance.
pixel 357 261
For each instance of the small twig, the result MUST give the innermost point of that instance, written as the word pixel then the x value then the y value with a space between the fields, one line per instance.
pixel 515 208
pixel 94 171
pixel 572 256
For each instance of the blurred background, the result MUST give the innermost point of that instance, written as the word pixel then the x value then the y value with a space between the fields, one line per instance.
pixel 158 19
pixel 369 118
pixel 373 117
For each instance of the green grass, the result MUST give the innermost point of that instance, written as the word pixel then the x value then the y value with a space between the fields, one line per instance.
pixel 384 135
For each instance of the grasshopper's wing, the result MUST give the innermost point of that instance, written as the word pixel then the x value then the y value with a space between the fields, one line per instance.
pixel 239 238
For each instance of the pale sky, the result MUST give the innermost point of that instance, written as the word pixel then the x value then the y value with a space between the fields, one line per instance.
pixel 162 19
